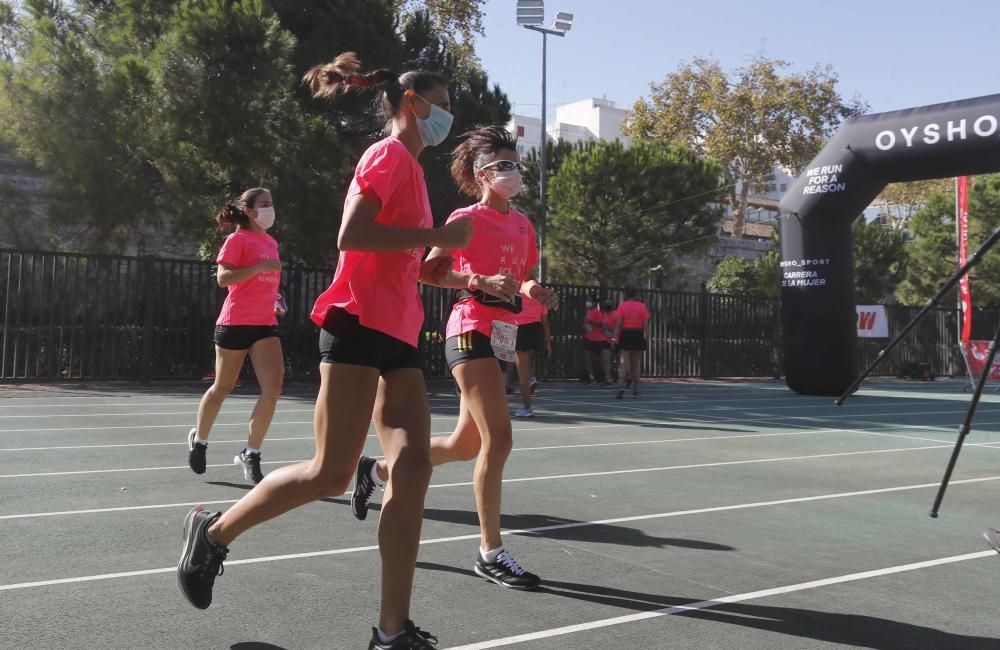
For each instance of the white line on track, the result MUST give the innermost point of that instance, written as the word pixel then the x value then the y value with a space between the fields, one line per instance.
pixel 520 531
pixel 735 598
pixel 183 443
pixel 652 469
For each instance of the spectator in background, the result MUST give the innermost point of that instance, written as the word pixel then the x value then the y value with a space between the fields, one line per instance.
pixel 598 341
pixel 631 334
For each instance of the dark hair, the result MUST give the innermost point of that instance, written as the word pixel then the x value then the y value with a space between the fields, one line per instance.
pixel 234 213
pixel 607 306
pixel 344 73
pixel 478 148
pixel 631 292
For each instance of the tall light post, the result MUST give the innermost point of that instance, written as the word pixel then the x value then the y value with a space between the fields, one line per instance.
pixel 531 15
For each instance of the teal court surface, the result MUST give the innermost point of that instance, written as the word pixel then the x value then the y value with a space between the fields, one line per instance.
pixel 704 515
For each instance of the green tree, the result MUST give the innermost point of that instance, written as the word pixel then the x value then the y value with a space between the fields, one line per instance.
pixel 898 202
pixel 739 276
pixel 616 211
pixel 880 257
pixel 529 200
pixel 750 121
pixel 147 115
pixel 933 252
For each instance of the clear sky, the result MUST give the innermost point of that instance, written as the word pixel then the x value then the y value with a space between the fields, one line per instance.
pixel 892 53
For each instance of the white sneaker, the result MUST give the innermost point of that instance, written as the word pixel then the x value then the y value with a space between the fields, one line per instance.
pixel 525 413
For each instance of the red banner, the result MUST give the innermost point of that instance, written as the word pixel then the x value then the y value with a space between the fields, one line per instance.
pixel 976 353
pixel 964 293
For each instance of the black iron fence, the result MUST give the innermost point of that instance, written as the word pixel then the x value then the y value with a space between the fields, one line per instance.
pixel 76 316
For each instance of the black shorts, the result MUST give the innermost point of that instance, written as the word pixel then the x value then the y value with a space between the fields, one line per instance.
pixel 242 337
pixel 466 347
pixel 595 346
pixel 343 339
pixel 633 340
pixel 530 337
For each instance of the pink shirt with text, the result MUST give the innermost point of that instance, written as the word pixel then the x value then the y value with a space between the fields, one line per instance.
pixel 250 302
pixel 634 315
pixel 501 244
pixel 604 332
pixel 381 288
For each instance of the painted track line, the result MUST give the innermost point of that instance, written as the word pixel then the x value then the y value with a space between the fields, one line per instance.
pixel 736 598
pixel 628 471
pixel 521 531
pixel 183 443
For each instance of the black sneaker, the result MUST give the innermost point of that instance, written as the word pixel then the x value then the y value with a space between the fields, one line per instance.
pixel 621 394
pixel 196 453
pixel 412 638
pixel 506 572
pixel 201 558
pixel 364 487
pixel 250 464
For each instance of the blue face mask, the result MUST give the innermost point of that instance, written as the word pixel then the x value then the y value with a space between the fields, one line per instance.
pixel 436 126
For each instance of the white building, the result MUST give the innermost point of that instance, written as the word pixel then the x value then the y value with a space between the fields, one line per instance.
pixel 582 121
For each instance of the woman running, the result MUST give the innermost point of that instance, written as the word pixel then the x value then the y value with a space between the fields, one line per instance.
pixel 249 266
pixel 492 272
pixel 631 333
pixel 597 341
pixel 533 336
pixel 371 317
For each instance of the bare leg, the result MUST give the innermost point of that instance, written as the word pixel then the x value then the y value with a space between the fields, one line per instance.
pixel 525 365
pixel 269 366
pixel 227 370
pixel 343 412
pixel 403 422
pixel 482 390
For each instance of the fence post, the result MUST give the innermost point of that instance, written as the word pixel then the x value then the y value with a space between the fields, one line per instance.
pixel 705 352
pixel 147 264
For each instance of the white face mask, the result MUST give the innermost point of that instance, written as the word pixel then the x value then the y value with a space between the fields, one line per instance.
pixel 265 217
pixel 506 184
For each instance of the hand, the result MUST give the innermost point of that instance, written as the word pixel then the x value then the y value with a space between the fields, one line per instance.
pixel 268 265
pixel 455 235
pixel 548 350
pixel 501 286
pixel 434 270
pixel 544 295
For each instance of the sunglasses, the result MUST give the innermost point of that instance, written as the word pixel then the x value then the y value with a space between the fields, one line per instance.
pixel 505 165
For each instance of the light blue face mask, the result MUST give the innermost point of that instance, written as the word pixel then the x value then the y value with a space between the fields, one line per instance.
pixel 436 126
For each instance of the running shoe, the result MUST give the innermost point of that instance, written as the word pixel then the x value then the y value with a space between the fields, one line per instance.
pixel 412 638
pixel 250 463
pixel 510 391
pixel 196 452
pixel 533 386
pixel 506 572
pixel 201 559
pixel 993 538
pixel 621 394
pixel 364 487
pixel 524 413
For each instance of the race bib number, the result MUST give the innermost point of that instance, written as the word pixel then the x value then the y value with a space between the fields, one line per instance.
pixel 504 340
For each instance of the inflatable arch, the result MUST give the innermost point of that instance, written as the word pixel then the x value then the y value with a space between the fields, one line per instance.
pixel 817 263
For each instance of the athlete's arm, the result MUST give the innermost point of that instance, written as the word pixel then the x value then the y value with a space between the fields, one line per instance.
pixel 360 232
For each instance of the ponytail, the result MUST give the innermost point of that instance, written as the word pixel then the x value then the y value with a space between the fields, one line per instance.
pixel 326 80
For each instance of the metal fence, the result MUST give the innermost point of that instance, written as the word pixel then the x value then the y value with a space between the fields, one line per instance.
pixel 75 316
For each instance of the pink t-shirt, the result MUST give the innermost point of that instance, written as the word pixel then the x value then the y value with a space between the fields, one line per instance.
pixel 501 243
pixel 531 312
pixel 603 333
pixel 250 302
pixel 633 314
pixel 381 288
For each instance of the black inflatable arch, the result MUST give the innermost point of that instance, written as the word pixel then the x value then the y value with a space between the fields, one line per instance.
pixel 867 153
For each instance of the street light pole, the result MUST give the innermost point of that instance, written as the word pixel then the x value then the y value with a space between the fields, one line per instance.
pixel 531 15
